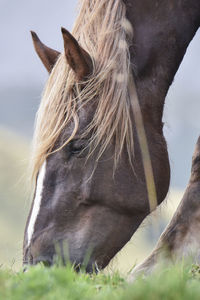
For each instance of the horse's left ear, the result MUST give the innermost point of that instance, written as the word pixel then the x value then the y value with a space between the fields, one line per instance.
pixel 47 55
pixel 78 59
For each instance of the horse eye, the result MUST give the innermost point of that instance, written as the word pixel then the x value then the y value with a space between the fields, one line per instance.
pixel 76 146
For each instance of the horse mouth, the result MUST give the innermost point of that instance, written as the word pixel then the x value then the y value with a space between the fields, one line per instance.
pixel 92 267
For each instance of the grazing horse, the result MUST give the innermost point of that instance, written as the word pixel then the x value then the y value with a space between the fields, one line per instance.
pixel 100 161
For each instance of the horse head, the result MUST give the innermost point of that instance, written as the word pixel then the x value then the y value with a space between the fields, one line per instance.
pixel 87 197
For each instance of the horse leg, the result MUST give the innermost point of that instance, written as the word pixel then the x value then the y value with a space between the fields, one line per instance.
pixel 181 238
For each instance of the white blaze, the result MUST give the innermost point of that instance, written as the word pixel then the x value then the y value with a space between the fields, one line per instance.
pixel 37 202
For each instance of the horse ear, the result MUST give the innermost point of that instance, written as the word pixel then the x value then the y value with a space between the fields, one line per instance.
pixel 78 59
pixel 47 55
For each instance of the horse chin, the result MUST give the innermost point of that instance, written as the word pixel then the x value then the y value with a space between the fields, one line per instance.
pixel 80 263
pixel 89 265
pixel 92 267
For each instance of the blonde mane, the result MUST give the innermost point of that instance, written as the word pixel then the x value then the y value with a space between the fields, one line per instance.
pixel 104 32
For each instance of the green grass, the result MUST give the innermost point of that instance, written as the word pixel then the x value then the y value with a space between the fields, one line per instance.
pixel 63 283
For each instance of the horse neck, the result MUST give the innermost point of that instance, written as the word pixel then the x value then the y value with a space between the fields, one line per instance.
pixel 163 30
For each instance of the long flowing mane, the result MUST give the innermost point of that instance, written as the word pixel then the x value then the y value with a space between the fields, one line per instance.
pixel 104 32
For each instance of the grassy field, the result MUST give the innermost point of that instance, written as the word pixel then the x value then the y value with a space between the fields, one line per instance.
pixel 60 283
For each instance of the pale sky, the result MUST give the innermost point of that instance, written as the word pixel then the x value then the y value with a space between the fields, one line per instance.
pixel 18 61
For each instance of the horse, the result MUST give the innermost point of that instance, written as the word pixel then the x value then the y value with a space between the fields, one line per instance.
pixel 100 162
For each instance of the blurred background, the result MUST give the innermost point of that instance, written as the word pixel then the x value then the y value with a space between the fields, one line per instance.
pixel 22 78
